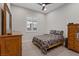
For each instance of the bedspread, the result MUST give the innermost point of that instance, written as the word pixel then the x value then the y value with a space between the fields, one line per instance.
pixel 46 40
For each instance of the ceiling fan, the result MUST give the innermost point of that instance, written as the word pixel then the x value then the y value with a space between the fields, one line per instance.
pixel 44 5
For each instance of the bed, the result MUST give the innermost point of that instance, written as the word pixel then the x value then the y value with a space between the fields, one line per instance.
pixel 47 41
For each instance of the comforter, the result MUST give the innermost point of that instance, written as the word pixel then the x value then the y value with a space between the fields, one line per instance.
pixel 46 40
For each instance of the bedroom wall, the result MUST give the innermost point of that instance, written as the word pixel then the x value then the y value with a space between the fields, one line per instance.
pixel 19 15
pixel 59 18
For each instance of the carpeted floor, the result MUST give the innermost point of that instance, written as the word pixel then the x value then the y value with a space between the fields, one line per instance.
pixel 28 49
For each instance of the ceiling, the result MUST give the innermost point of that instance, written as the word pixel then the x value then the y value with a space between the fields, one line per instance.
pixel 38 8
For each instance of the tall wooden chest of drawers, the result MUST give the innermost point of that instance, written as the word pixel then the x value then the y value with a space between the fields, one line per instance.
pixel 73 37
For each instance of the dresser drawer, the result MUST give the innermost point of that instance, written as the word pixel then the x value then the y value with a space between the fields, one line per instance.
pixel 76 48
pixel 71 34
pixel 70 46
pixel 71 39
pixel 13 46
pixel 70 42
pixel 76 43
pixel 71 27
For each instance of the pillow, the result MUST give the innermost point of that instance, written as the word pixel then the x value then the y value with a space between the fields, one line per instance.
pixel 52 31
pixel 56 32
pixel 59 32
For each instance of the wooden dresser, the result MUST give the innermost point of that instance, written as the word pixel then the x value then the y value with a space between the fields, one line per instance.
pixel 11 45
pixel 73 37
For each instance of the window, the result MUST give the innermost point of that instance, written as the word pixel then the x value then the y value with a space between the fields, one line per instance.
pixel 31 25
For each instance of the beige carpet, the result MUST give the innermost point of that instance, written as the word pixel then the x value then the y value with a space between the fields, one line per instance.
pixel 28 49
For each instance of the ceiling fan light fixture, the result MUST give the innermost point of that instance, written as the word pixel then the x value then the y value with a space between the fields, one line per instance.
pixel 43 4
pixel 45 9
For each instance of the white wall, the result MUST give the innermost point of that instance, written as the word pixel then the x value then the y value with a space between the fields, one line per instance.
pixel 19 25
pixel 59 18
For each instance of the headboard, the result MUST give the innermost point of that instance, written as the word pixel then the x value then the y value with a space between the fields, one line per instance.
pixel 56 32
